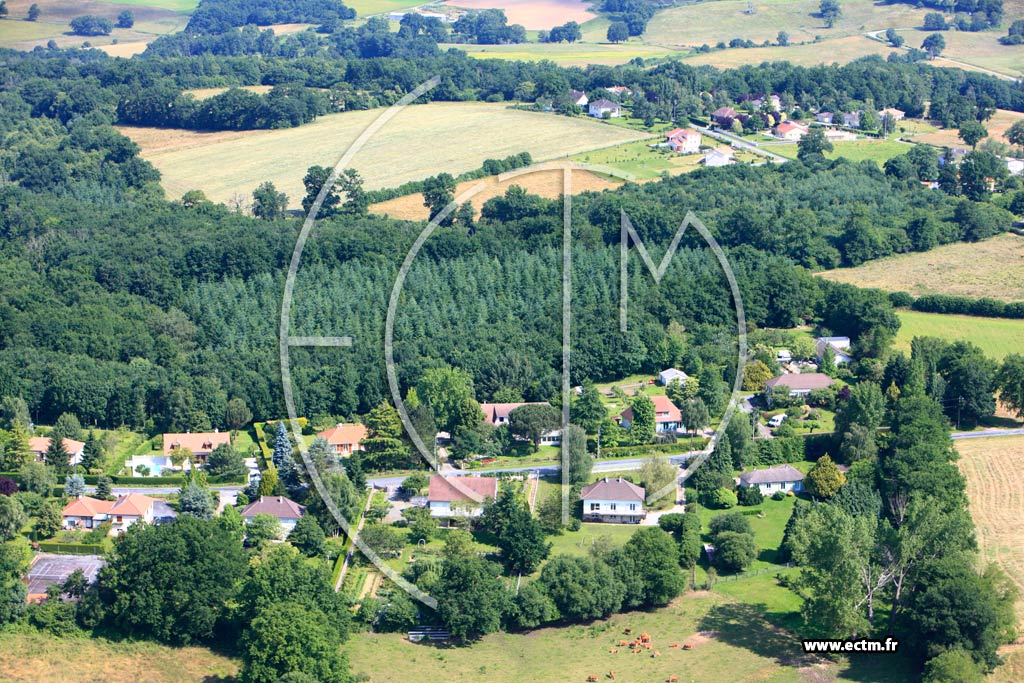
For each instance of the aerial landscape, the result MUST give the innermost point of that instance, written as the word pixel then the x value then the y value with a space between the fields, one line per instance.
pixel 495 341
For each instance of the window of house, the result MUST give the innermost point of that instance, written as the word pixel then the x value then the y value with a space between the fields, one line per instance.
pixel 612 506
pixel 632 506
pixel 119 519
pixel 594 507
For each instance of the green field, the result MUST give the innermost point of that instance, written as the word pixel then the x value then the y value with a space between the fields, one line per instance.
pixel 997 337
pixel 173 5
pixel 878 151
pixel 569 54
pixel 991 268
pixel 452 137
pixel 365 8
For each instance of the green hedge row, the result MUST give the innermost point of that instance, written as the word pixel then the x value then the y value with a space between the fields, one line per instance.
pixel 71 548
pixel 687 444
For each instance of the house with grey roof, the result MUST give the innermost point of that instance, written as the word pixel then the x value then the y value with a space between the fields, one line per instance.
pixel 286 511
pixel 613 500
pixel 783 478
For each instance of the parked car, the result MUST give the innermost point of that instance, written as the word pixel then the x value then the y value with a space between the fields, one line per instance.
pixel 777 420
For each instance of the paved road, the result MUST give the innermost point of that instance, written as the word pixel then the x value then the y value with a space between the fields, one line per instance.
pixel 744 144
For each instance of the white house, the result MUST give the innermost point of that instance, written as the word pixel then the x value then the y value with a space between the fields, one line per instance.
pixel 497 414
pixel 613 500
pixel 88 513
pixel 683 140
pixel 778 478
pixel 454 497
pixel 851 119
pixel 199 444
pixel 718 157
pixel 666 376
pixel 773 101
pixel 345 439
pixel 38 445
pixel 603 109
pixel 667 418
pixel 1016 166
pixel 840 348
pixel 835 135
pixel 578 98
pixel 285 510
pixel 824 117
pixel 896 114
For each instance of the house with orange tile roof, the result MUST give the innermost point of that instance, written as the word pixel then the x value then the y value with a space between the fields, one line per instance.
pixel 199 444
pixel 453 497
pixel 88 513
pixel 667 417
pixel 345 438
pixel 38 445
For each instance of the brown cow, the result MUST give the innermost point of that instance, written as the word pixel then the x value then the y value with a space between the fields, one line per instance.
pixel 591 679
pixel 614 652
pixel 673 644
pixel 673 679
pixel 611 675
pixel 656 654
pixel 622 643
pixel 627 631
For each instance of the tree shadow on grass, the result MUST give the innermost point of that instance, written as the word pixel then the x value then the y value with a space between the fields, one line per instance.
pixel 745 626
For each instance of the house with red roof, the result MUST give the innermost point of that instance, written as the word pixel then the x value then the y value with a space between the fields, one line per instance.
pixel 88 513
pixel 683 140
pixel 38 445
pixel 345 438
pixel 498 413
pixel 787 130
pixel 452 497
pixel 199 444
pixel 667 418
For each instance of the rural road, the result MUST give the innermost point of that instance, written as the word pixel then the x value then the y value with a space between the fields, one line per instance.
pixel 986 433
pixel 741 143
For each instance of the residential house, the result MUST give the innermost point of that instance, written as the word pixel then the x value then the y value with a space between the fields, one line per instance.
pixel 38 445
pixel 605 109
pixel 1016 166
pixel 286 511
pixel 896 114
pixel 667 418
pixel 720 156
pixel 666 376
pixel 724 116
pixel 840 348
pixel 955 155
pixel 613 500
pixel 199 444
pixel 683 140
pixel 773 101
pixel 824 117
pixel 88 513
pixel 787 130
pixel 459 497
pixel 851 119
pixel 800 384
pixel 345 439
pixel 620 90
pixel 497 414
pixel 783 478
pixel 578 98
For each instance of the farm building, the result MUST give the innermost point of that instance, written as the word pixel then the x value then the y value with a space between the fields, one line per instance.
pixel 834 135
pixel 896 114
pixel 840 348
pixel 799 384
pixel 667 418
pixel 604 109
pixel 453 497
pixel 851 119
pixel 613 500
pixel 824 117
pixel 778 478
pixel 345 438
pixel 38 445
pixel 286 511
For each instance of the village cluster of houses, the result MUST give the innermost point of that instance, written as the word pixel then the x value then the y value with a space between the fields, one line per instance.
pixel 602 108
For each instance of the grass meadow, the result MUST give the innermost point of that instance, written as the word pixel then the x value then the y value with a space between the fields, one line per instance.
pixel 992 268
pixel 997 337
pixel 419 141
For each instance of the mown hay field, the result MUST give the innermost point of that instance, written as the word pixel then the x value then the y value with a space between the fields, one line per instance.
pixel 997 337
pixel 992 268
pixel 418 142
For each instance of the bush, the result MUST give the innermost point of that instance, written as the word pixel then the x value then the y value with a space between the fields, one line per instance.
pixel 749 495
pixel 723 499
pixel 779 495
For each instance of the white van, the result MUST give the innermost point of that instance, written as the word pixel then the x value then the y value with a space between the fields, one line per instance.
pixel 777 420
